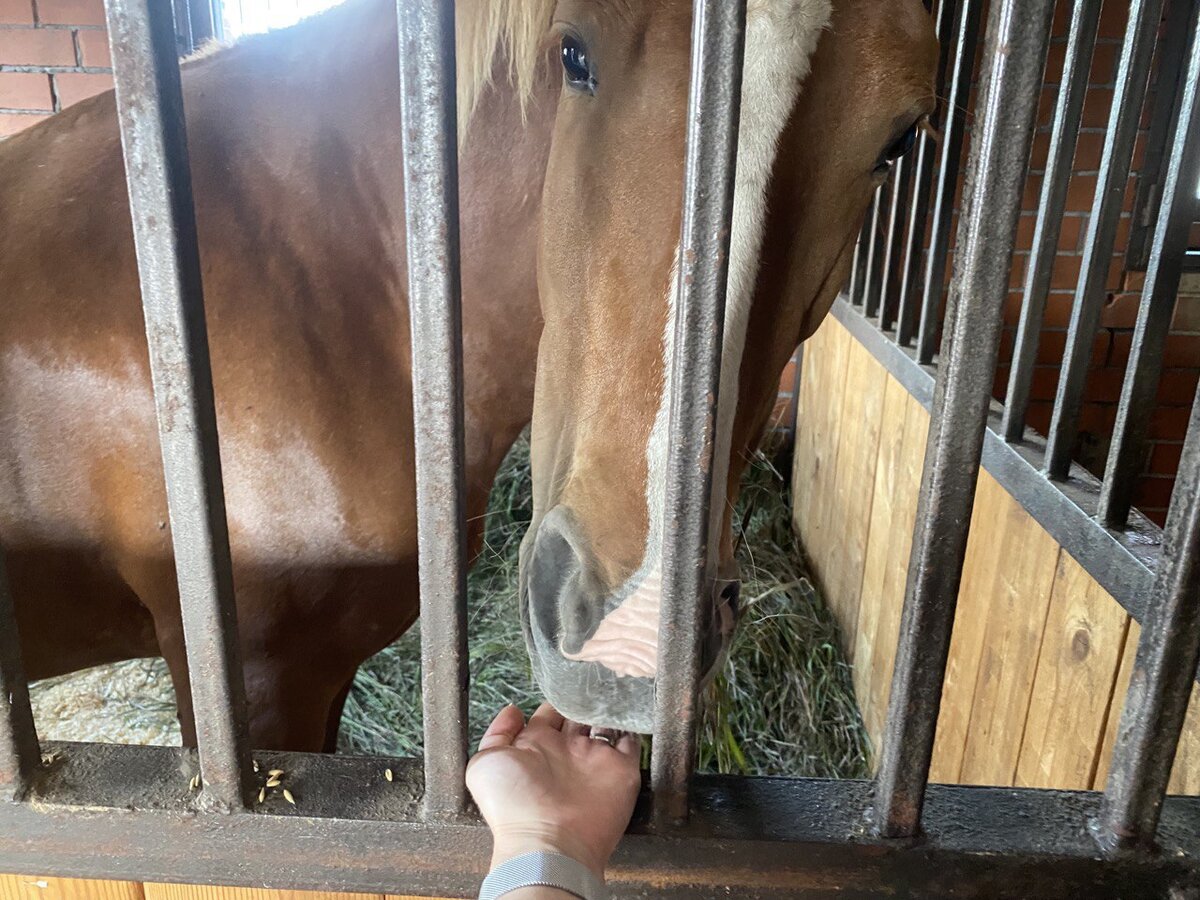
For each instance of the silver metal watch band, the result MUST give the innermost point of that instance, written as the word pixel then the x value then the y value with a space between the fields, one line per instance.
pixel 543 869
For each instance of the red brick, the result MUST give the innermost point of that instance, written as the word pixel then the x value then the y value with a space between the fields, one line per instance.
pixel 71 12
pixel 1112 20
pixel 94 47
pixel 25 90
pixel 76 86
pixel 1080 193
pixel 16 12
pixel 1068 234
pixel 1134 281
pixel 1168 423
pixel 1182 351
pixel 1177 387
pixel 1104 64
pixel 1153 493
pixel 11 123
pixel 1104 384
pixel 1116 352
pixel 1187 313
pixel 1120 310
pixel 1065 274
pixel 1089 147
pixel 1164 458
pixel 1097 106
pixel 36 47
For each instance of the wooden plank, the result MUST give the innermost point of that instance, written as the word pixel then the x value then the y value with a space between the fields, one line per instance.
pixel 854 482
pixel 893 514
pixel 980 576
pixel 1185 774
pixel 156 891
pixel 40 887
pixel 825 371
pixel 1020 599
pixel 1077 668
pixel 805 457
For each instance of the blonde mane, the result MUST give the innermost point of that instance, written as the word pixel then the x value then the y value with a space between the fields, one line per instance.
pixel 515 29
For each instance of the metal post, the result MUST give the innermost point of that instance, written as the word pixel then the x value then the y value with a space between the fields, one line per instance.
pixel 1133 72
pixel 714 106
pixel 1163 670
pixel 1167 251
pixel 1068 111
pixel 150 113
pixel 953 129
pixel 901 180
pixel 875 275
pixel 918 215
pixel 18 740
pixel 1018 34
pixel 429 125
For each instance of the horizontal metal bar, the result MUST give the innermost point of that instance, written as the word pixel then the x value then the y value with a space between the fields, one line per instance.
pixel 1068 111
pixel 1133 71
pixel 19 755
pixel 107 811
pixel 1160 685
pixel 430 148
pixel 150 113
pixel 694 381
pixel 1175 216
pixel 966 39
pixel 1014 59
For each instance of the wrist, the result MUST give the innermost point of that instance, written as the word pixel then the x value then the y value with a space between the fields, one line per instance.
pixel 508 843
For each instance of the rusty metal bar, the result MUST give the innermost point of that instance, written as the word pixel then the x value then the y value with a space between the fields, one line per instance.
pixel 888 281
pixel 874 275
pixel 429 125
pixel 150 113
pixel 918 216
pixel 1068 110
pixel 1133 72
pixel 714 109
pixel 1170 243
pixel 18 739
pixel 966 39
pixel 1161 684
pixel 1014 59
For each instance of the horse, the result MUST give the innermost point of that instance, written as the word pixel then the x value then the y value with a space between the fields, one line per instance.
pixel 571 147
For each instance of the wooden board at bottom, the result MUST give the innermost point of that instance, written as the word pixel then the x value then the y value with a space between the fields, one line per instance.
pixel 35 887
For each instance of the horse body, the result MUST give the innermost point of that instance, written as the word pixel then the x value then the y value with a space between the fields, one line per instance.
pixel 295 157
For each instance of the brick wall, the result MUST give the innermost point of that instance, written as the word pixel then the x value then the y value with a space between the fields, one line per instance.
pixel 52 53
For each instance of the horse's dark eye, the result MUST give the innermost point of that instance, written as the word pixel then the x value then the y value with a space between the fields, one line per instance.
pixel 576 64
pixel 901 145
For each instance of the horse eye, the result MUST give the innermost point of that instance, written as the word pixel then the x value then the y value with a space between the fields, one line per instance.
pixel 901 145
pixel 576 64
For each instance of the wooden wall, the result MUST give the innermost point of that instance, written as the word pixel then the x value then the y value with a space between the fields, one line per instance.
pixel 32 887
pixel 1041 654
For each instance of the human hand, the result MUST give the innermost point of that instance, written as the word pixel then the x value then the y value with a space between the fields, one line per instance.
pixel 546 785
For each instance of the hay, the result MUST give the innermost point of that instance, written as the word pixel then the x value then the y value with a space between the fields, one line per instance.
pixel 783 705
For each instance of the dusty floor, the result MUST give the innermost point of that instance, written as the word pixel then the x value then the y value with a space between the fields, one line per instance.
pixel 126 703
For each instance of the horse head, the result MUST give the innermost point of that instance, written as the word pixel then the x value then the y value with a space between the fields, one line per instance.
pixel 831 95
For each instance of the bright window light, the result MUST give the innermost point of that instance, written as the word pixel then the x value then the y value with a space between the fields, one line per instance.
pixel 252 16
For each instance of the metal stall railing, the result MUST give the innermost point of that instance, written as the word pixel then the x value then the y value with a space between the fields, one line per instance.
pixel 127 812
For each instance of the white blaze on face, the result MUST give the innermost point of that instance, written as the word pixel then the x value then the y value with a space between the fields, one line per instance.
pixel 781 36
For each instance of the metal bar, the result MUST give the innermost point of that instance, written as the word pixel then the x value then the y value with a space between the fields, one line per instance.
pixel 1015 56
pixel 150 113
pixel 1175 216
pixel 429 126
pixel 918 216
pixel 1133 71
pixel 1161 684
pixel 18 740
pixel 874 275
pixel 1068 110
pixel 714 108
pixel 749 837
pixel 858 265
pixel 888 290
pixel 953 129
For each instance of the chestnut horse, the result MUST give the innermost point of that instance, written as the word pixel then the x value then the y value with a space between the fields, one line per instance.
pixel 571 174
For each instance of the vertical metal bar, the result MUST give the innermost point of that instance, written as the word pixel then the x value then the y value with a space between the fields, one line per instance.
pixel 918 216
pixel 1167 251
pixel 18 740
pixel 858 265
pixel 888 295
pixel 1018 34
pixel 874 275
pixel 150 113
pixel 953 129
pixel 1133 71
pixel 1163 670
pixel 429 125
pixel 1068 110
pixel 718 34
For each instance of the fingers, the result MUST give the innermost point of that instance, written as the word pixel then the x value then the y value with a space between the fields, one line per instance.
pixel 630 745
pixel 504 728
pixel 548 716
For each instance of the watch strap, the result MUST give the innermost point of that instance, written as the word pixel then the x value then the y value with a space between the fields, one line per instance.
pixel 543 869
